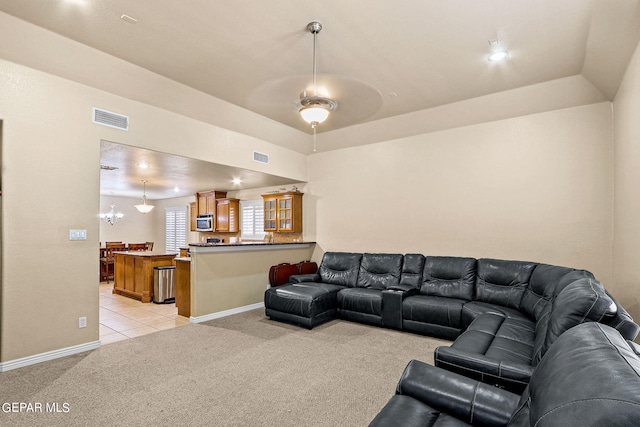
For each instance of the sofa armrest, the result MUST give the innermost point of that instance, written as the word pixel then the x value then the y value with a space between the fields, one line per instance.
pixel 466 399
pixel 300 278
pixel 509 375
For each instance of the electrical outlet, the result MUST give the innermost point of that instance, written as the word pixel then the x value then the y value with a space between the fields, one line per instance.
pixel 82 322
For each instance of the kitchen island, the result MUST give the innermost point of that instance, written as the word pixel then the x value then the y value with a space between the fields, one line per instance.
pixel 133 273
pixel 228 278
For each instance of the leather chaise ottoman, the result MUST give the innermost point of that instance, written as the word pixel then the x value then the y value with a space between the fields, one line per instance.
pixel 303 304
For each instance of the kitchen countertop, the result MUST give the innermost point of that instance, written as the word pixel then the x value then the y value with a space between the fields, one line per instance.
pixel 145 253
pixel 202 248
pixel 251 243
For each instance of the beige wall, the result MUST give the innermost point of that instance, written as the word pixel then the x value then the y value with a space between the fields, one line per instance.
pixel 626 250
pixel 538 188
pixel 50 184
pixel 135 227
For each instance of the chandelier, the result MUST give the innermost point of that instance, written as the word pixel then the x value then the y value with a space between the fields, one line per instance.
pixel 112 217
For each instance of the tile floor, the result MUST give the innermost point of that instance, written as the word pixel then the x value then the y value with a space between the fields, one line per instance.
pixel 122 318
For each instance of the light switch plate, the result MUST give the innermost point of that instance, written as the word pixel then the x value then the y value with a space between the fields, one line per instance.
pixel 77 234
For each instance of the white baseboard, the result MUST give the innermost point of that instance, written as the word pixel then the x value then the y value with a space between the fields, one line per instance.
pixel 225 313
pixel 50 355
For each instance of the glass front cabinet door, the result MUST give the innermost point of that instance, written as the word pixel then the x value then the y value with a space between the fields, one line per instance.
pixel 283 212
pixel 270 214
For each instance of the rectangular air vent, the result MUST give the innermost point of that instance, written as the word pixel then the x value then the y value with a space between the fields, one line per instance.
pixel 260 157
pixel 113 120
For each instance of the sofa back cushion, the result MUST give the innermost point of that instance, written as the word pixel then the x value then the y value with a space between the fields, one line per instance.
pixel 379 271
pixel 340 268
pixel 503 282
pixel 581 301
pixel 452 277
pixel 589 377
pixel 545 284
pixel 412 266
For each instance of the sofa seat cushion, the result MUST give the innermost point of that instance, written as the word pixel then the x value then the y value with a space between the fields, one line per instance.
pixel 432 309
pixel 496 336
pixel 361 300
pixel 494 349
pixel 473 309
pixel 302 299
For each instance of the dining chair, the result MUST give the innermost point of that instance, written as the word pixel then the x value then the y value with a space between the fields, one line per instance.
pixel 107 260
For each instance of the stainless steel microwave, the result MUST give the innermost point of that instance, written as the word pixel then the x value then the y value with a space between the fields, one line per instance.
pixel 204 223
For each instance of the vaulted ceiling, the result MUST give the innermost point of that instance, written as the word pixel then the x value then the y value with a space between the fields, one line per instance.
pixel 395 68
pixel 377 58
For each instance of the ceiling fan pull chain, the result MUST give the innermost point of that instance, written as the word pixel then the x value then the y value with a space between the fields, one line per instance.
pixel 313 125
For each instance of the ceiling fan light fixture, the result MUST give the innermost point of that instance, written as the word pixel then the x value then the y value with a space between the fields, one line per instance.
pixel 316 109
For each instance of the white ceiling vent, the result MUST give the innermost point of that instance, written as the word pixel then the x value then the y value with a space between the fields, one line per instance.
pixel 260 157
pixel 113 120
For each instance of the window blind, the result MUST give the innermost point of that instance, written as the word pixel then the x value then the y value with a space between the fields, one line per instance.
pixel 252 218
pixel 175 228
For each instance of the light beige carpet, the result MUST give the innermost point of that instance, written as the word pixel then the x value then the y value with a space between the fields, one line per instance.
pixel 242 370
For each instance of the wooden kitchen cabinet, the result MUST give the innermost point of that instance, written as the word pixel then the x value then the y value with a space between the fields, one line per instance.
pixel 206 201
pixel 133 273
pixel 283 212
pixel 227 215
pixel 193 214
pixel 183 286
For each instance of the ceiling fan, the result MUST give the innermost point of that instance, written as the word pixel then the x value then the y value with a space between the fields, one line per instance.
pixel 319 97
pixel 313 108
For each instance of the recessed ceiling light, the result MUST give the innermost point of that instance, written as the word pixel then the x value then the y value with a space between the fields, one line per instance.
pixel 176 189
pixel 498 55
pixel 237 181
pixel 143 165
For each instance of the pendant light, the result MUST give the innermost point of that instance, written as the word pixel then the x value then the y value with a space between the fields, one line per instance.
pixel 315 109
pixel 144 207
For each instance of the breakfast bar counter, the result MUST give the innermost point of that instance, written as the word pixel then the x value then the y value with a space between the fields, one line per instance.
pixel 134 273
pixel 228 278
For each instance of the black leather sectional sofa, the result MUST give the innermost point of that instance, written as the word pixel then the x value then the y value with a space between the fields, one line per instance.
pixel 504 315
pixel 590 377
